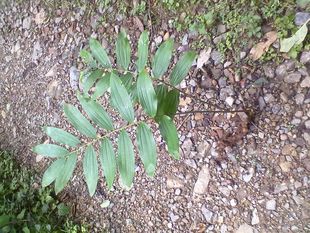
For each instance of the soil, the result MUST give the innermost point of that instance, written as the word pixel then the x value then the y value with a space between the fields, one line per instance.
pixel 239 172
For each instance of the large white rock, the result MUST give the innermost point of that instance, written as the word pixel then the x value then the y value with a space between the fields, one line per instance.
pixel 202 182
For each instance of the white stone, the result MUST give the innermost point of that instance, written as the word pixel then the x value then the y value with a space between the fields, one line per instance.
pixel 244 228
pixel 255 218
pixel 207 213
pixel 233 202
pixel 230 101
pixel 305 82
pixel 202 182
pixel 271 204
pixel 307 124
pixel 174 182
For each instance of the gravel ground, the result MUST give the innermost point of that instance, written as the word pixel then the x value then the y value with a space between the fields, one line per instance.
pixel 239 172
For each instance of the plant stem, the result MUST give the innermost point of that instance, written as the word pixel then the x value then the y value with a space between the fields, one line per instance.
pixel 209 111
pixel 106 135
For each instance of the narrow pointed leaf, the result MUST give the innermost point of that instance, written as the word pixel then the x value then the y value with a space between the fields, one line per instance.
pixel 90 80
pixel 96 112
pixel 108 161
pixel 121 99
pixel 161 92
pixel 147 148
pixel 99 53
pixel 133 93
pixel 123 50
pixel 127 81
pixel 146 94
pixel 182 67
pixel 65 173
pixel 143 49
pixel 50 150
pixel 87 58
pixel 126 159
pixel 169 133
pixel 162 58
pixel 171 103
pixel 52 171
pixel 61 136
pixel 102 86
pixel 79 121
pixel 90 169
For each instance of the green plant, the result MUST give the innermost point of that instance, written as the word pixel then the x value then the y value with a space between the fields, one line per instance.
pixel 139 86
pixel 26 208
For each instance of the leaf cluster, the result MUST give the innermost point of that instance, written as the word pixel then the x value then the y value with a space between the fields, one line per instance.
pixel 128 86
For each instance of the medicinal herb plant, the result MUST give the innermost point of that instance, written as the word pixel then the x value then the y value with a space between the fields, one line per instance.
pixel 129 86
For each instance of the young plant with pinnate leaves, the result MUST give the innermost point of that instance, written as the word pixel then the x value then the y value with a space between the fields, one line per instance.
pixel 127 87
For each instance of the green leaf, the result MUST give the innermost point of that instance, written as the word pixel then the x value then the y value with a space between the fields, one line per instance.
pixel 171 103
pixel 91 79
pixel 61 136
pixel 143 49
pixel 108 161
pixel 161 92
pixel 79 121
pixel 87 58
pixel 4 220
pixel 102 86
pixel 170 135
pixel 121 99
pixel 90 168
pixel 296 39
pixel 123 50
pixel 127 80
pixel 126 159
pixel 133 93
pixel 182 67
pixel 50 150
pixel 99 53
pixel 162 58
pixel 65 173
pixel 52 172
pixel 147 148
pixel 146 94
pixel 96 112
pixel 62 209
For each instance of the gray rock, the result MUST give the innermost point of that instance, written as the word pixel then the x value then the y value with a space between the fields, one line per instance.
pixel 216 56
pixel 27 23
pixel 208 214
pixel 301 18
pixel 222 82
pixel 269 71
pixel 305 57
pixel 37 51
pixel 221 28
pixel 174 182
pixel 307 124
pixel 74 77
pixel 271 204
pixel 245 228
pixel 299 98
pixel 286 66
pixel 202 182
pixel 306 82
pixel 292 77
pixel 185 39
pixel 306 137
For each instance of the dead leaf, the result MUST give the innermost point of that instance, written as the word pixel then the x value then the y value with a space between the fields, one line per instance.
pixel 40 17
pixel 138 23
pixel 259 49
pixel 203 57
